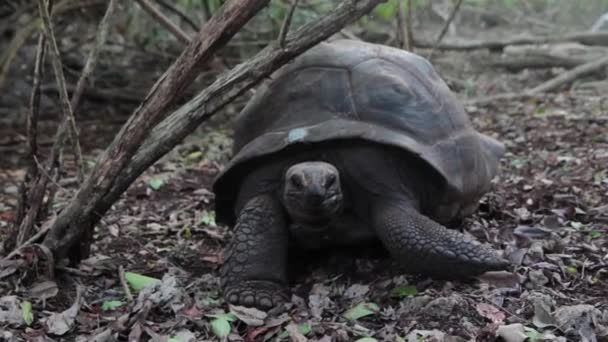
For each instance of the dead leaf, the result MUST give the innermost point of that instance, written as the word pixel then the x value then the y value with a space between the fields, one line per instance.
pixel 512 332
pixel 44 290
pixel 10 312
pixel 61 323
pixel 294 333
pixel 490 312
pixel 356 291
pixel 250 316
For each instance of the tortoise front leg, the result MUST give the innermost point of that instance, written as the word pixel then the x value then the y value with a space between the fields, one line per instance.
pixel 255 263
pixel 426 247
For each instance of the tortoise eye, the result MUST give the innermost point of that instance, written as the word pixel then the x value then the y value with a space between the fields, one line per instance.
pixel 331 180
pixel 296 181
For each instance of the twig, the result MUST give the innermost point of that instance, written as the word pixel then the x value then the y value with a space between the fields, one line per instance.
pixel 549 85
pixel 123 282
pixel 445 27
pixel 164 21
pixel 180 14
pixel 10 52
pixel 68 113
pixel 32 135
pixel 29 241
pixel 24 33
pixel 404 25
pixel 100 39
pixel 30 198
pixel 287 23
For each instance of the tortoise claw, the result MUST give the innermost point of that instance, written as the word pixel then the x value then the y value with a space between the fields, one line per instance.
pixel 263 295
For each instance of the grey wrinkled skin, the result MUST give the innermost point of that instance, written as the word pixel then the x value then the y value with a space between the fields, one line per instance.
pixel 352 142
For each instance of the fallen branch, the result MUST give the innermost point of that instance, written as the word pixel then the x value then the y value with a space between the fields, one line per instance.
pixel 570 75
pixel 513 64
pixel 586 38
pixel 563 55
pixel 563 78
pixel 184 120
pixel 72 223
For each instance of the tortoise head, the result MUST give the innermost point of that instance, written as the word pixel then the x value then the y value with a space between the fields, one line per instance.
pixel 312 192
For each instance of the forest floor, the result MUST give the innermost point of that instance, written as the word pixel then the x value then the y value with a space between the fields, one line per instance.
pixel 547 212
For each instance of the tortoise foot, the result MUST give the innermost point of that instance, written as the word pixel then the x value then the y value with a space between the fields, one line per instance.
pixel 261 294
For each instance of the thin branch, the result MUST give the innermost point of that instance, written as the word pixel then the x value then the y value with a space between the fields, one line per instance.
pixel 404 25
pixel 66 107
pixel 180 14
pixel 28 242
pixel 164 21
pixel 287 23
pixel 409 25
pixel 100 39
pixel 123 282
pixel 445 27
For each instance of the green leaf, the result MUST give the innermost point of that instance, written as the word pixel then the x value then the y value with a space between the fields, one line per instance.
pixel 386 10
pixel 576 225
pixel 304 328
pixel 404 291
pixel 367 339
pixel 111 305
pixel 26 312
pixel 220 325
pixel 361 310
pixel 155 183
pixel 594 234
pixel 194 155
pixel 138 281
pixel 572 270
pixel 533 335
pixel 208 218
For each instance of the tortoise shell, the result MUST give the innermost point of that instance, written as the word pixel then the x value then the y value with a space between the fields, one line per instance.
pixel 348 89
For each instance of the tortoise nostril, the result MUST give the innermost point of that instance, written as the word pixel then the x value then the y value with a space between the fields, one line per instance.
pixel 330 180
pixel 297 181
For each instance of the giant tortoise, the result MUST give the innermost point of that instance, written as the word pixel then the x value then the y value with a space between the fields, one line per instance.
pixel 352 142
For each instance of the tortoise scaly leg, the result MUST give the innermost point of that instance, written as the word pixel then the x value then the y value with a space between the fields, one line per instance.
pixel 255 263
pixel 426 247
